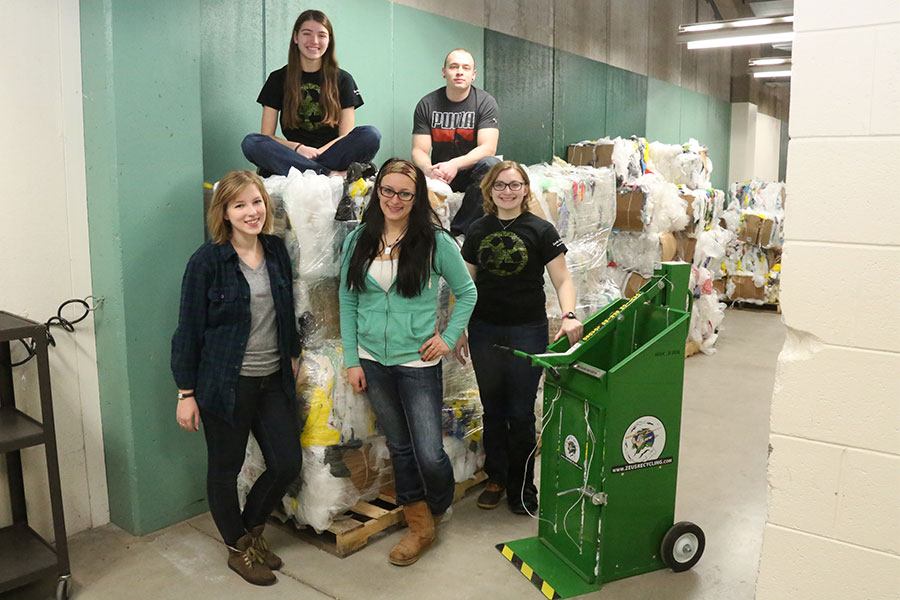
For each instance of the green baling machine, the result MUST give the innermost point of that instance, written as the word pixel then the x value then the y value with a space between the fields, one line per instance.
pixel 610 436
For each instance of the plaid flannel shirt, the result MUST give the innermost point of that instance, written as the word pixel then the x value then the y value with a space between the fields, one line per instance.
pixel 214 323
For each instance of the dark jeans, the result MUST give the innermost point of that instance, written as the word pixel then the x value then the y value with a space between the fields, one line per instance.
pixel 261 407
pixel 507 385
pixel 407 402
pixel 360 145
pixel 469 181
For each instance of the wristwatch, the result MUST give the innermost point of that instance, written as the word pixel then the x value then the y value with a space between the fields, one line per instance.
pixel 569 315
pixel 183 395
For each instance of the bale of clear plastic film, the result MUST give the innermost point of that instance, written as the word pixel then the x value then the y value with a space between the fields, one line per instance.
pixel 345 458
pixel 580 202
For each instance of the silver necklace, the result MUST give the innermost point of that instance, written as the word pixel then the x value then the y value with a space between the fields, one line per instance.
pixel 508 224
pixel 389 247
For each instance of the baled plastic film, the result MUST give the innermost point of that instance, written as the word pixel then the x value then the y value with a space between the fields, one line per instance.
pixel 462 419
pixel 310 201
pixel 664 208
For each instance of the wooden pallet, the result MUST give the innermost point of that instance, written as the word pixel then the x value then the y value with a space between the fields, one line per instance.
pixel 773 307
pixel 365 521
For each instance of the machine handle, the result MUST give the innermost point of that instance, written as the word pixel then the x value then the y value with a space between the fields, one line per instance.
pixel 535 360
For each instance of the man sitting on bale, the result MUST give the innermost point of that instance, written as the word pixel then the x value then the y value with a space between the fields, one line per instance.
pixel 455 133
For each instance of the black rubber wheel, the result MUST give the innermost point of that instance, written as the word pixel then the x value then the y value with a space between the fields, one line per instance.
pixel 682 546
pixel 62 588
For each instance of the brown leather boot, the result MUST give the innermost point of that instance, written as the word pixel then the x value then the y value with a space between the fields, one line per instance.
pixel 269 558
pixel 244 560
pixel 420 536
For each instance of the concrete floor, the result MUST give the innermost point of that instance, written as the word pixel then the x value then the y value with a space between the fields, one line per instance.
pixel 722 487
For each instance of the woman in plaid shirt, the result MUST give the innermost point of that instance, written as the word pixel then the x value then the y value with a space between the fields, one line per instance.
pixel 234 358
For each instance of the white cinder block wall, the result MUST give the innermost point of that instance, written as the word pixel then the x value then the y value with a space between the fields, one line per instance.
pixel 833 529
pixel 44 254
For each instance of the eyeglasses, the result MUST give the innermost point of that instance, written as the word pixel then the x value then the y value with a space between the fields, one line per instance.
pixel 390 193
pixel 515 186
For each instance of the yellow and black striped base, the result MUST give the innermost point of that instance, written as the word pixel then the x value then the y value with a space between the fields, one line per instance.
pixel 545 588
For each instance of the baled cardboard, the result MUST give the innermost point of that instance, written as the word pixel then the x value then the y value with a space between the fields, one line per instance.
pixel 629 204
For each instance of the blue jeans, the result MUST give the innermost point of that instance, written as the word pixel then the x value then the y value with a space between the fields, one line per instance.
pixel 507 385
pixel 360 145
pixel 469 181
pixel 262 407
pixel 407 402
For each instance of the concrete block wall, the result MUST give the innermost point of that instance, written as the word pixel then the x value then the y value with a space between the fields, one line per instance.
pixel 833 529
pixel 44 249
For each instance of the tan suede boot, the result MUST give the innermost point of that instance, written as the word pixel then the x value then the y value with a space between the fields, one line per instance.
pixel 269 558
pixel 246 562
pixel 420 536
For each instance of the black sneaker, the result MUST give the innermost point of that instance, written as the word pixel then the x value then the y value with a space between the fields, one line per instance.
pixel 519 508
pixel 490 497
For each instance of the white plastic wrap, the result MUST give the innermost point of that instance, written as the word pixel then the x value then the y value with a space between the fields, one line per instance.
pixel 682 165
pixel 584 206
pixel 664 208
pixel 310 201
pixel 634 251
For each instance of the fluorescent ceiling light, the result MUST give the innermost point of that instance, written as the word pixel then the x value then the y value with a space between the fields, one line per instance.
pixel 737 32
pixel 763 62
pixel 767 74
pixel 747 40
pixel 770 67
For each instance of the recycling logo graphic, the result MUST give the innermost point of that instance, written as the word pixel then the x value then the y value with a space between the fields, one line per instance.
pixel 644 440
pixel 503 254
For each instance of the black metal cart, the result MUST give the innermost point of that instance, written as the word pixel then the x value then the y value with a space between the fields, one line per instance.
pixel 24 555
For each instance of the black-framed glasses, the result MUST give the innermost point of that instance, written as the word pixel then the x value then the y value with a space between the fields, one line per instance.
pixel 391 192
pixel 515 186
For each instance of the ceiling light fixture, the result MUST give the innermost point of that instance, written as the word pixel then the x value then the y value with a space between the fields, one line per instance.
pixel 768 74
pixel 737 32
pixel 763 68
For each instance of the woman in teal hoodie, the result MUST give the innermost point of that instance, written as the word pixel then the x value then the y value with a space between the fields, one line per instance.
pixel 391 267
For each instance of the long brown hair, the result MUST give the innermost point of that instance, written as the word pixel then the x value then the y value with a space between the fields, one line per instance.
pixel 293 85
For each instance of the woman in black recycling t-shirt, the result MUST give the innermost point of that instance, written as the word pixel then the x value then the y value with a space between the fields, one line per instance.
pixel 506 252
pixel 317 103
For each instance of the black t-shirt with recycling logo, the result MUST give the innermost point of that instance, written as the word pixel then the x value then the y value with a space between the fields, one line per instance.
pixel 511 261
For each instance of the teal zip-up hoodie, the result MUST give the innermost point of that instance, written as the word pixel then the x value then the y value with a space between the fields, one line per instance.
pixel 392 328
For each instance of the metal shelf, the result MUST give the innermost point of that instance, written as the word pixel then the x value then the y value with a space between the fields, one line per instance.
pixel 24 557
pixel 13 327
pixel 18 430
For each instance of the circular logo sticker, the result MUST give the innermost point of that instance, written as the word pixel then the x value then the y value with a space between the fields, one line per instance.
pixel 572 448
pixel 644 440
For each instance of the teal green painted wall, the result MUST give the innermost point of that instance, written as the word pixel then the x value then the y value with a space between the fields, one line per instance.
pixel 676 114
pixel 143 155
pixel 626 104
pixel 664 112
pixel 232 73
pixel 520 77
pixel 549 99
pixel 579 100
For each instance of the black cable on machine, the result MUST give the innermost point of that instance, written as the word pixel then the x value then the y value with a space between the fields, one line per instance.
pixel 59 321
